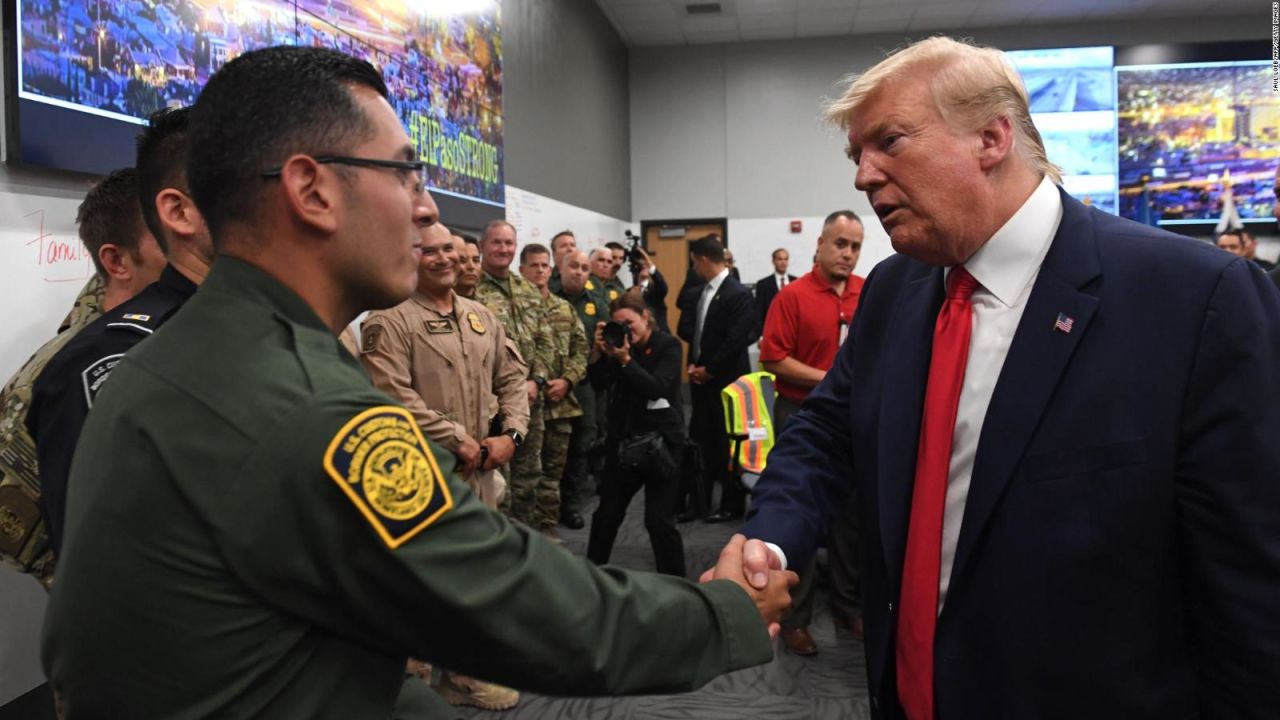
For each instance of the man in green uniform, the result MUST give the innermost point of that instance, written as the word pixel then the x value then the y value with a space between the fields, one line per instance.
pixel 286 537
pixel 603 277
pixel 518 306
pixel 109 222
pixel 566 368
pixel 562 243
pixel 574 272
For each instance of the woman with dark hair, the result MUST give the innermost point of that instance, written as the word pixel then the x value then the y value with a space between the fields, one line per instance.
pixel 646 430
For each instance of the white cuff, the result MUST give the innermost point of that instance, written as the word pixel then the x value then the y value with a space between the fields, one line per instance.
pixel 778 551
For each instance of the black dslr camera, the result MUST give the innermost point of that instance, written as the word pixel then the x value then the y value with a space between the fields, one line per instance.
pixel 634 256
pixel 615 334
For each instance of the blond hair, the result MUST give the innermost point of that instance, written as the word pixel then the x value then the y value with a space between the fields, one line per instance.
pixel 971 86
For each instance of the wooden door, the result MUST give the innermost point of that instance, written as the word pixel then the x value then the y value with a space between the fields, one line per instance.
pixel 672 256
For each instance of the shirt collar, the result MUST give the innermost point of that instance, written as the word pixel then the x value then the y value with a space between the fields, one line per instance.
pixel 718 280
pixel 233 276
pixel 1011 258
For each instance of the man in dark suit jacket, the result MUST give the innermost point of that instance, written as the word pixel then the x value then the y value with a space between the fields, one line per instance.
pixel 717 326
pixel 768 287
pixel 1108 437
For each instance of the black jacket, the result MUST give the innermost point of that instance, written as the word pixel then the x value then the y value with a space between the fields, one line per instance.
pixel 726 332
pixel 652 374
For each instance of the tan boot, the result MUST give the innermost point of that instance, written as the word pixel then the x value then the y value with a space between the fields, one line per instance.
pixel 461 690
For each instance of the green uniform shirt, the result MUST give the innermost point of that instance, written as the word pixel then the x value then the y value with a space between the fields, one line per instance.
pixel 517 303
pixel 568 358
pixel 254 531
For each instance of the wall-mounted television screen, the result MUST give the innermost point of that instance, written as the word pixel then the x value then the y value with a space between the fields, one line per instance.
pixel 1187 130
pixel 88 72
pixel 1072 96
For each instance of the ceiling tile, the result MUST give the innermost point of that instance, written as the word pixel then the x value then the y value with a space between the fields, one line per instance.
pixel 711 37
pixel 867 27
pixel 714 24
pixel 768 33
pixel 767 21
pixel 649 12
pixel 825 20
pixel 887 12
pixel 763 6
pixel 803 5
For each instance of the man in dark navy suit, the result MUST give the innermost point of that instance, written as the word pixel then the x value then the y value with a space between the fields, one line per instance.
pixel 717 326
pixel 768 287
pixel 1061 427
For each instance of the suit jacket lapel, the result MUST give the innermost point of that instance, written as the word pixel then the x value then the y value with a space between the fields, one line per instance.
pixel 1037 357
pixel 906 375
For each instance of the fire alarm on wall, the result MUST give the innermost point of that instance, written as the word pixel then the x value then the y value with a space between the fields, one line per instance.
pixel 795 226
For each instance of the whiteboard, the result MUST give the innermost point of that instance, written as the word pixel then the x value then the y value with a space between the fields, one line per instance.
pixel 43 264
pixel 538 218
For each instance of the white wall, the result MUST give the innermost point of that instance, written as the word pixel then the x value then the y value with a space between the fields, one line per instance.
pixel 753 241
pixel 734 130
pixel 538 218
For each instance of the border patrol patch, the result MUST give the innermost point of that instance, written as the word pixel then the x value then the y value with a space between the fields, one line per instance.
pixel 613 295
pixel 476 325
pixel 369 336
pixel 96 375
pixel 383 464
pixel 590 309
pixel 591 285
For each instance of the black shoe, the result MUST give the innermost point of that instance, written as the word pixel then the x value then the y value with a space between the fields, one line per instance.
pixel 572 520
pixel 686 516
pixel 720 516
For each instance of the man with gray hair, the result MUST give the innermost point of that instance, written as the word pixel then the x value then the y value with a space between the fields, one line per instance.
pixel 1068 509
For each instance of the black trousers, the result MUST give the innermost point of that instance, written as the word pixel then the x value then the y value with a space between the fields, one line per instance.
pixel 706 428
pixel 661 490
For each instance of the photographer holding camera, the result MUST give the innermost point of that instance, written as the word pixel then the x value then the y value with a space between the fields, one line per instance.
pixel 646 430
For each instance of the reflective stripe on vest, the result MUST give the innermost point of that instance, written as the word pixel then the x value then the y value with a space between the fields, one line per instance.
pixel 748 405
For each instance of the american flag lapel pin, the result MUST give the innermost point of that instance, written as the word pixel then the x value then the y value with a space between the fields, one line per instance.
pixel 1064 324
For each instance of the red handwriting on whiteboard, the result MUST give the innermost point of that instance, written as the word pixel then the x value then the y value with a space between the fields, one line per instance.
pixel 59 260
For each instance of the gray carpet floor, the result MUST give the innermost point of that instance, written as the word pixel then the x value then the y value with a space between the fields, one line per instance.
pixel 827 686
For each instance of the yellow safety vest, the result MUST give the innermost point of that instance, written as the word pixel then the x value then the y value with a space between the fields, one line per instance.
pixel 748 420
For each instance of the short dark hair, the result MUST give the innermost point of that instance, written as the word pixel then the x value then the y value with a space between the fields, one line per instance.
pixel 468 239
pixel 774 254
pixel 109 213
pixel 162 163
pixel 561 234
pixel 635 303
pixel 533 249
pixel 846 214
pixel 708 246
pixel 612 245
pixel 262 107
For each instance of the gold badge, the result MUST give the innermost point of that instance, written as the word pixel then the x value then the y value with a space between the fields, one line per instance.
pixel 369 337
pixel 591 285
pixel 613 295
pixel 590 309
pixel 383 464
pixel 135 316
pixel 476 325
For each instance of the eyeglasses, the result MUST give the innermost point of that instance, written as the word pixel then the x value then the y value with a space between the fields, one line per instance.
pixel 417 167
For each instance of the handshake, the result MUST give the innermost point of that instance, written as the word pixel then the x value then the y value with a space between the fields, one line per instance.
pixel 755 568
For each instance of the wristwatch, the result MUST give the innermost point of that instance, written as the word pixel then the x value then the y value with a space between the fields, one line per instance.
pixel 541 382
pixel 515 436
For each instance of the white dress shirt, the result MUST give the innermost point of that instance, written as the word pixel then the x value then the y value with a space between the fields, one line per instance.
pixel 781 280
pixel 704 302
pixel 1005 268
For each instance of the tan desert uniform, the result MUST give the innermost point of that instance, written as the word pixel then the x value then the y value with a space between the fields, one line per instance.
pixel 453 371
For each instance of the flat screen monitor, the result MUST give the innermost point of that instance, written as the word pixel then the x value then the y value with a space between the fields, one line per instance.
pixel 88 72
pixel 1187 131
pixel 1072 96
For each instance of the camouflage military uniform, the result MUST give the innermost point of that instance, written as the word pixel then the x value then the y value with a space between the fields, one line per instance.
pixel 517 304
pixel 574 483
pixel 24 539
pixel 568 362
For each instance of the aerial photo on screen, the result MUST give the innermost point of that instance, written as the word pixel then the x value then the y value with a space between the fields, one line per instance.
pixel 1187 131
pixel 127 58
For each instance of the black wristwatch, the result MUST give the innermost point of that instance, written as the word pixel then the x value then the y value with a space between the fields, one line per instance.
pixel 515 436
pixel 541 382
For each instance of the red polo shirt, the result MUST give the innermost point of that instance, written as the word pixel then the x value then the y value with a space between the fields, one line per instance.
pixel 806 322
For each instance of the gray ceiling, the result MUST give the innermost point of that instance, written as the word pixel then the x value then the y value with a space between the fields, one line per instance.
pixel 668 22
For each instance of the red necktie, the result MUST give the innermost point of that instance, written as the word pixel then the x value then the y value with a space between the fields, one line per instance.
pixel 918 603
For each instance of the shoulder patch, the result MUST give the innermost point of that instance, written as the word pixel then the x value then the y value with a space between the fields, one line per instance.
pixel 95 376
pixel 613 294
pixel 369 336
pixel 383 464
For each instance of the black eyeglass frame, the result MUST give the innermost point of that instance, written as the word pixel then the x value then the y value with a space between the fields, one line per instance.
pixel 418 166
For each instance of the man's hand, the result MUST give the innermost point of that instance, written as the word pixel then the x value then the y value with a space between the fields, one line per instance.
pixel 557 389
pixel 501 448
pixel 468 453
pixel 757 562
pixel 773 596
pixel 533 392
pixel 698 375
